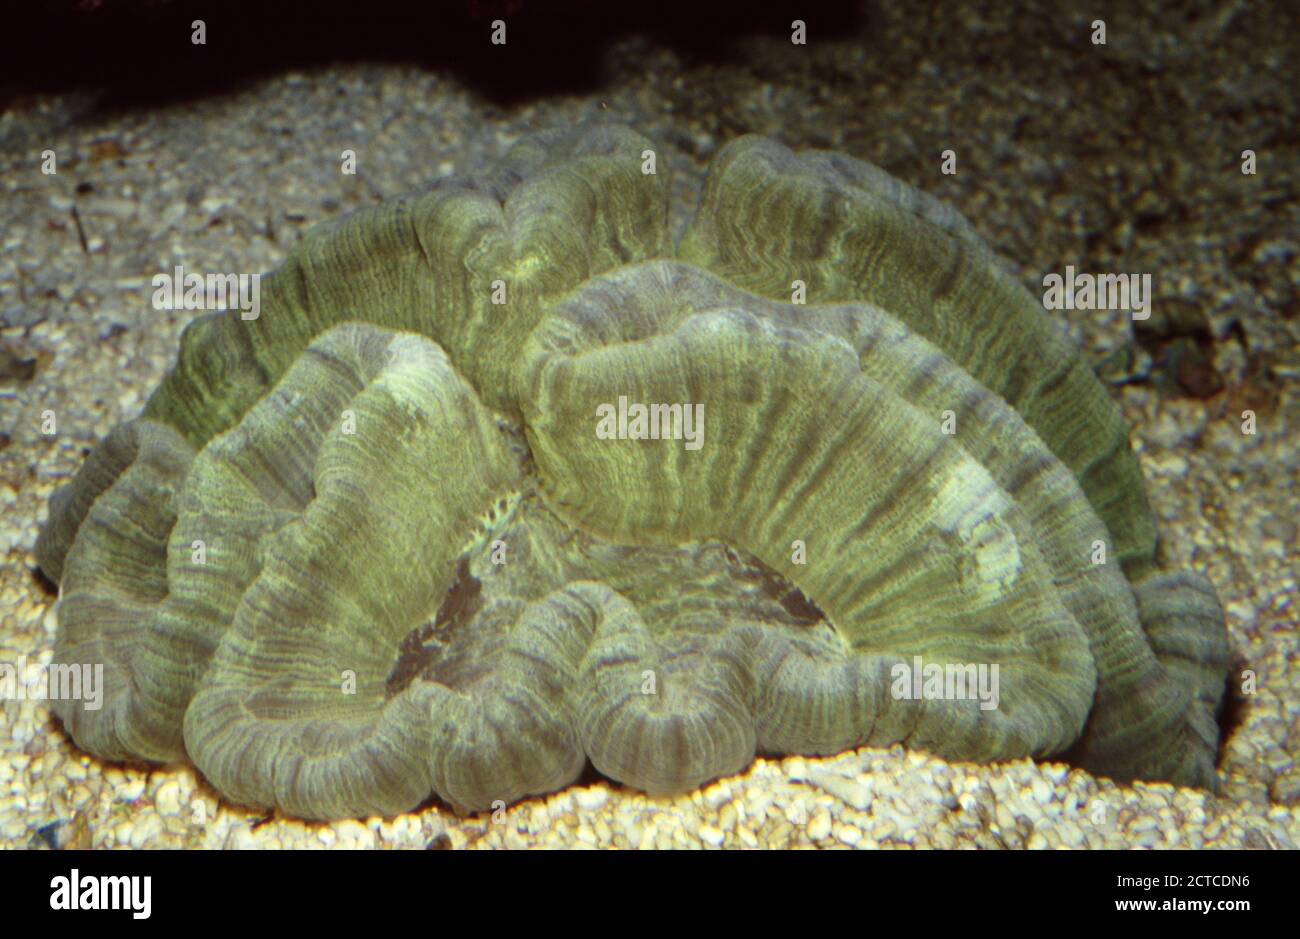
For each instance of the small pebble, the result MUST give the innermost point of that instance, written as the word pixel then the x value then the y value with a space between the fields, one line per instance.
pixel 819 826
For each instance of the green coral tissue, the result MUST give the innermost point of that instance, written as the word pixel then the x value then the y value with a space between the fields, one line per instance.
pixel 502 480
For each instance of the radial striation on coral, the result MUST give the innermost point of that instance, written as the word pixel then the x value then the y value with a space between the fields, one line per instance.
pixel 374 545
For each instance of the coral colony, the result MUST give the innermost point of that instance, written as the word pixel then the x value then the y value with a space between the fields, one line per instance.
pixel 443 519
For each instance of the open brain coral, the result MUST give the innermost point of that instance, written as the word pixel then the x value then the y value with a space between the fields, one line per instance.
pixel 502 480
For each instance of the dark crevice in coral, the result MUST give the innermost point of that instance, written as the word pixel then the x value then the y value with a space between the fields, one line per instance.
pixel 792 599
pixel 801 610
pixel 424 647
